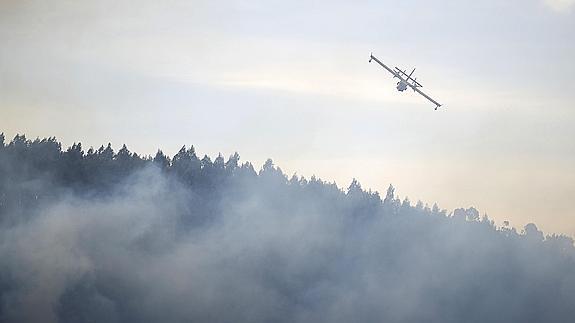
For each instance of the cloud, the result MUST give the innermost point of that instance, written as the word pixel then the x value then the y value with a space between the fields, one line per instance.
pixel 562 6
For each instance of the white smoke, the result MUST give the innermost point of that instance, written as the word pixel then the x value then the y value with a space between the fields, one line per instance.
pixel 128 258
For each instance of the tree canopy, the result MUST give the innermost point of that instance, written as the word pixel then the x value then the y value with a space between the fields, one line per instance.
pixel 118 237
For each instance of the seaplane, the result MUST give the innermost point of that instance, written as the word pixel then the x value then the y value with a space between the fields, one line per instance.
pixel 405 80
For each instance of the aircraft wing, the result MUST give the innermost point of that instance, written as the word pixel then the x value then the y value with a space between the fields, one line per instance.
pixel 395 74
pixel 425 95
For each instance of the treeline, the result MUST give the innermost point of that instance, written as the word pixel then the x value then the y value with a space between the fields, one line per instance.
pixel 25 162
pixel 103 236
pixel 32 171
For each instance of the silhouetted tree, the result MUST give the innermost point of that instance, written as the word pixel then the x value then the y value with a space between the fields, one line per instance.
pixel 389 195
pixel 233 162
pixel 161 160
pixel 532 233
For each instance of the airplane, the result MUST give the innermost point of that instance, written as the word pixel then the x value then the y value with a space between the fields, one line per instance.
pixel 405 80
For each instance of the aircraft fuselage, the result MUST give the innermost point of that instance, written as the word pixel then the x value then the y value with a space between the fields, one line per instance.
pixel 401 86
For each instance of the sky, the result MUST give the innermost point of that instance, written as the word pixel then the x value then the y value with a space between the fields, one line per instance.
pixel 290 80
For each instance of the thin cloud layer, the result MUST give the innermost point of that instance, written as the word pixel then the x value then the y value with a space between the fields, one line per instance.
pixel 563 6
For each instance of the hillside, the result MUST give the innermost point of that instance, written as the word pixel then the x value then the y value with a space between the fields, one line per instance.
pixel 103 236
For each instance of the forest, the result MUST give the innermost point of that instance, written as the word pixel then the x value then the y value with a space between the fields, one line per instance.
pixel 99 235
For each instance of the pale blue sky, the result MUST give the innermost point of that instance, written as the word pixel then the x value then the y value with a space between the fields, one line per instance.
pixel 291 81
